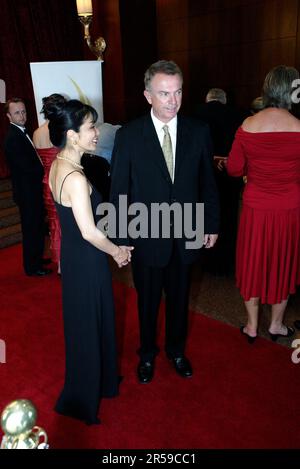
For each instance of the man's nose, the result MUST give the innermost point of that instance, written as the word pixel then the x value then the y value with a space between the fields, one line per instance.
pixel 172 99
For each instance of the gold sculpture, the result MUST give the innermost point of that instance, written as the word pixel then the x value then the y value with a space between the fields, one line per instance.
pixel 18 424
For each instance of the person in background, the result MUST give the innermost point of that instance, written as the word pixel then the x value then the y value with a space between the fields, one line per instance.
pixel 256 105
pixel 266 149
pixel 163 158
pixel 97 165
pixel 105 145
pixel 47 153
pixel 27 174
pixel 223 121
pixel 88 309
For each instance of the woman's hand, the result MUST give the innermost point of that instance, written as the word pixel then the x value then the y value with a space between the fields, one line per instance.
pixel 122 256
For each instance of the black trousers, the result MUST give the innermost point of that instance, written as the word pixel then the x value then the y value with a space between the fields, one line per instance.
pixel 150 282
pixel 33 231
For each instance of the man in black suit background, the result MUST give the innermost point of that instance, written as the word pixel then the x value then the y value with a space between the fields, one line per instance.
pixel 223 121
pixel 27 174
pixel 154 164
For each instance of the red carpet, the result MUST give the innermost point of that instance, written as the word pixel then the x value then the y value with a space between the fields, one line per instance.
pixel 241 396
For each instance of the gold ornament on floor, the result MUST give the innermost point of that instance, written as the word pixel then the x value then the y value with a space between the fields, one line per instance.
pixel 18 424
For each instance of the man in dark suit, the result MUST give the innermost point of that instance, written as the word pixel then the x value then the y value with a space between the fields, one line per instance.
pixel 163 158
pixel 27 174
pixel 223 121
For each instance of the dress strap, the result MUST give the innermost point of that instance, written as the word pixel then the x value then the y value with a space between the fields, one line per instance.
pixel 75 171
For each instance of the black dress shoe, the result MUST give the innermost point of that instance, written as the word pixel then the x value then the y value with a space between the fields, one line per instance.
pixel 290 331
pixel 182 366
pixel 40 273
pixel 250 338
pixel 145 371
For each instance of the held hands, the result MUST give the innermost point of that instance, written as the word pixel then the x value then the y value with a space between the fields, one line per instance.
pixel 210 240
pixel 123 255
pixel 220 162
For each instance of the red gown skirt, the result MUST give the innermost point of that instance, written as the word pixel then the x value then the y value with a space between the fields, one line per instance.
pixel 268 248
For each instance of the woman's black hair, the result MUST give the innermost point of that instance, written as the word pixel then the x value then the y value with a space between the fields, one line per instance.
pixel 49 103
pixel 68 116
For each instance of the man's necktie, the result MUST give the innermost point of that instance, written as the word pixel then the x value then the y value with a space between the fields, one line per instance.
pixel 167 150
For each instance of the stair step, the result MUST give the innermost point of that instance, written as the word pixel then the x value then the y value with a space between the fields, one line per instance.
pixel 10 226
pixel 8 230
pixel 5 194
pixel 10 240
pixel 4 212
pixel 5 185
pixel 9 220
pixel 5 203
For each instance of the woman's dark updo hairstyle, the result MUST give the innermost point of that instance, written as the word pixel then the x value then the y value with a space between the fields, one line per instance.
pixel 68 116
pixel 49 103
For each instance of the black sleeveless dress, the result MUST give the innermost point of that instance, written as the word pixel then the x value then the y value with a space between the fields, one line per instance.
pixel 88 312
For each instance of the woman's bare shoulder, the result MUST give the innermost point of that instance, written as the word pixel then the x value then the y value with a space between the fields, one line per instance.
pixel 41 137
pixel 272 120
pixel 248 124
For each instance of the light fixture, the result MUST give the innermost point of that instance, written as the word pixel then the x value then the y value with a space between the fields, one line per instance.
pixel 85 15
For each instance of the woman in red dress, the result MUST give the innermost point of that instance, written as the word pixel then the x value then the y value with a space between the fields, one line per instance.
pixel 266 149
pixel 47 153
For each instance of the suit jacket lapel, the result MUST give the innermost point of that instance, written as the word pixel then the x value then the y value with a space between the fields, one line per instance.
pixel 181 144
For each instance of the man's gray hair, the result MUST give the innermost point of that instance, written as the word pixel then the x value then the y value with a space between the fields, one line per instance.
pixel 277 88
pixel 168 67
pixel 216 94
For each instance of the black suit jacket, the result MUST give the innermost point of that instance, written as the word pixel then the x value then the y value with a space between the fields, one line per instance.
pixel 139 171
pixel 25 167
pixel 223 122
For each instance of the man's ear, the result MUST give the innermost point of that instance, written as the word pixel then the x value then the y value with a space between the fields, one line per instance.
pixel 148 96
pixel 9 116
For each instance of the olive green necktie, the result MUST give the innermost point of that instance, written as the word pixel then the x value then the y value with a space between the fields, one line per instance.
pixel 167 150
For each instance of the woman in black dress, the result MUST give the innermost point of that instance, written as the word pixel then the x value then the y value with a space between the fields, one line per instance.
pixel 88 310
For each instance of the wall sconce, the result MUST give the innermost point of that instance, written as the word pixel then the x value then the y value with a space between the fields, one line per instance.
pixel 85 15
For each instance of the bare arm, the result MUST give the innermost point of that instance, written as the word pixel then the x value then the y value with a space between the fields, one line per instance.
pixel 77 191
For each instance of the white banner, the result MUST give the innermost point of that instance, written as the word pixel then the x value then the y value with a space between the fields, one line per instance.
pixel 75 80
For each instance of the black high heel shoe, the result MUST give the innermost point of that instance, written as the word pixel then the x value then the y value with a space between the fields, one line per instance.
pixel 290 332
pixel 250 339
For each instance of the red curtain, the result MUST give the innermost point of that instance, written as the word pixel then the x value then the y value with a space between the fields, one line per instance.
pixel 34 31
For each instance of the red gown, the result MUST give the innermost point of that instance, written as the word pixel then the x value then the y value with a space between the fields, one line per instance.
pixel 268 244
pixel 47 155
